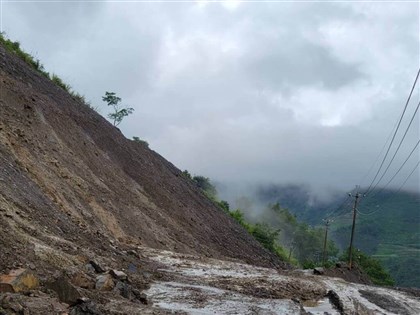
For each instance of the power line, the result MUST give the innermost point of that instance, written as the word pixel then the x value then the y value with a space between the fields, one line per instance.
pixel 399 146
pixel 379 155
pixel 340 206
pixel 395 133
pixel 396 173
pixel 393 194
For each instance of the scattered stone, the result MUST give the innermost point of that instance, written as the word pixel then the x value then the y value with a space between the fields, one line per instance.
pixel 82 280
pixel 132 268
pixel 132 252
pixel 18 280
pixel 86 308
pixel 66 292
pixel 97 267
pixel 89 268
pixel 143 299
pixel 124 289
pixel 104 282
pixel 319 271
pixel 118 274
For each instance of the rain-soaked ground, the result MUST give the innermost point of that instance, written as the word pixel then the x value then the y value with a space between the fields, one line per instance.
pixel 197 285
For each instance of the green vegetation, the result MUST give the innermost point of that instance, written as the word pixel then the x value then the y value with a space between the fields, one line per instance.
pixel 371 266
pixel 305 243
pixel 119 112
pixel 386 228
pixel 265 234
pixel 138 140
pixel 14 48
pixel 58 81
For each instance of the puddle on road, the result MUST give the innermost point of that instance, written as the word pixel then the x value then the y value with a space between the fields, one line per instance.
pixel 320 307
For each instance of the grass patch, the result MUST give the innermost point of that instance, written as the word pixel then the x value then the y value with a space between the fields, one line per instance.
pixel 13 47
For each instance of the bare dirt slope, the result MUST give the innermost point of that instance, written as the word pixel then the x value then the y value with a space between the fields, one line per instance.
pixel 66 172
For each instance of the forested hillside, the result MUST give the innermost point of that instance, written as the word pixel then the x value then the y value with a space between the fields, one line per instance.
pixel 387 224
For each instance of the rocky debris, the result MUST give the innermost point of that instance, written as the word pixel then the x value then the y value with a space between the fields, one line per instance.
pixel 133 253
pixel 82 280
pixel 118 274
pixel 86 308
pixel 18 280
pixel 66 292
pixel 104 282
pixel 36 303
pixel 97 267
pixel 319 271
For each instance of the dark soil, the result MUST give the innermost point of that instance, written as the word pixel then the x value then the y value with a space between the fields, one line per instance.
pixel 355 275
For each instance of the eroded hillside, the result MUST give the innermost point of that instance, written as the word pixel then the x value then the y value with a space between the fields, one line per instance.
pixel 66 172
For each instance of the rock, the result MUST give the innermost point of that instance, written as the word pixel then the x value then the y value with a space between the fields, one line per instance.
pixel 89 268
pixel 97 267
pixel 124 289
pixel 88 307
pixel 66 292
pixel 318 271
pixel 133 253
pixel 104 282
pixel 142 298
pixel 82 280
pixel 18 280
pixel 118 274
pixel 132 268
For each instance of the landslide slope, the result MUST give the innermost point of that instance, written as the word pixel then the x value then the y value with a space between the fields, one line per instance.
pixel 69 181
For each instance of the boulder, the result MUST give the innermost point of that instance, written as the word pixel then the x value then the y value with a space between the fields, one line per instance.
pixel 124 289
pixel 104 282
pixel 66 292
pixel 18 280
pixel 82 280
pixel 319 271
pixel 98 268
pixel 118 274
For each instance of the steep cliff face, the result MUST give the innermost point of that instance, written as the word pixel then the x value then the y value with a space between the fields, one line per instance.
pixel 68 177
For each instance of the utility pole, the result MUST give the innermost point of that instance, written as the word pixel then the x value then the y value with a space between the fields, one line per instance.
pixel 327 224
pixel 356 198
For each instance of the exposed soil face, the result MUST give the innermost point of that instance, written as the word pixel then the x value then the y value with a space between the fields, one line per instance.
pixel 69 179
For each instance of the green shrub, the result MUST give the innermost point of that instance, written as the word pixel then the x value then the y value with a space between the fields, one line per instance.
pixel 371 266
pixel 58 81
pixel 138 140
pixel 265 235
pixel 187 174
pixel 14 47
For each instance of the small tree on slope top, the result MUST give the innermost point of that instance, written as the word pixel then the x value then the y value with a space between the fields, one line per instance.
pixel 119 112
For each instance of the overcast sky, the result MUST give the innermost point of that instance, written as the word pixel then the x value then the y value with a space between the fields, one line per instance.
pixel 242 92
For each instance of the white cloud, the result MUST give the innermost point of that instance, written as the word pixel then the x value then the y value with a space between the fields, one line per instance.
pixel 239 91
